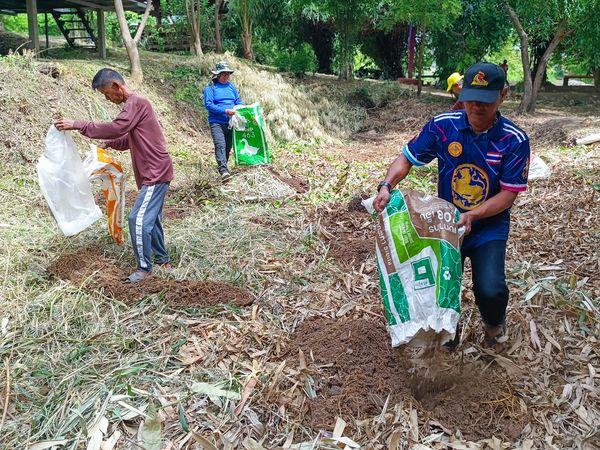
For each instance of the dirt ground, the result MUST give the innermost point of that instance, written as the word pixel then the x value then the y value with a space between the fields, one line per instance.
pixel 298 184
pixel 355 371
pixel 348 232
pixel 94 271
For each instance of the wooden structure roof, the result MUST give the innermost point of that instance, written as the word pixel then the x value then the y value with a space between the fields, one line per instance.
pixel 75 28
pixel 43 6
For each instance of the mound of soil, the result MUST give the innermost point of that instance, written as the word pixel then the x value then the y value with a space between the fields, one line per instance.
pixel 356 370
pixel 99 272
pixel 350 237
pixel 299 185
pixel 355 204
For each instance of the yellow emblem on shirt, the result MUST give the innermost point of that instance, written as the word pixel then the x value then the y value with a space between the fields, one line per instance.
pixel 470 186
pixel 455 149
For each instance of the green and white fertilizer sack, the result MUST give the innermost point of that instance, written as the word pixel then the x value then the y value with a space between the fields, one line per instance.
pixel 420 269
pixel 249 136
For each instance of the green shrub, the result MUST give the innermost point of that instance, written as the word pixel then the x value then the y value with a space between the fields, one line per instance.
pixel 299 61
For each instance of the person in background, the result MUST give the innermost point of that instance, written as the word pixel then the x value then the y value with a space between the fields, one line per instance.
pixel 455 83
pixel 504 66
pixel 138 130
pixel 483 164
pixel 220 97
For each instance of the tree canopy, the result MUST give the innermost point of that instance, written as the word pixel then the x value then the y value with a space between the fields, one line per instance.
pixel 371 37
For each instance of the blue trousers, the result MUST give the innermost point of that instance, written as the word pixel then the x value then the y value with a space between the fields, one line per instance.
pixel 489 282
pixel 145 226
pixel 222 137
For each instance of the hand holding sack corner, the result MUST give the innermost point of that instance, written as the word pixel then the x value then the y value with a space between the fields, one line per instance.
pixel 420 268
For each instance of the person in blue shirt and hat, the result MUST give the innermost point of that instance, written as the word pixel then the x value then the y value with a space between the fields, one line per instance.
pixel 220 98
pixel 483 163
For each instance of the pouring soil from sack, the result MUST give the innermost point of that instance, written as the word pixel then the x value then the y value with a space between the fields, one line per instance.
pixel 355 370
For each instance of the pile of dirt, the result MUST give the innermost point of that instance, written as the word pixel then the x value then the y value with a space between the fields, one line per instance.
pixel 299 185
pixel 355 370
pixel 350 236
pixel 355 204
pixel 97 272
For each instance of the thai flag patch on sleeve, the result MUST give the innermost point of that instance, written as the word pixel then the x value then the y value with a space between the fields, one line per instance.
pixel 493 158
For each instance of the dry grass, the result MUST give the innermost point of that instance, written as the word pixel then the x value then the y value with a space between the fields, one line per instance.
pixel 76 363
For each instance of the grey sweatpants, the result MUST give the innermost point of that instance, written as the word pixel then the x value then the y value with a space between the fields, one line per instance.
pixel 222 138
pixel 145 226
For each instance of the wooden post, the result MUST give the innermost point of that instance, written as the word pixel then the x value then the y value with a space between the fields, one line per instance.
pixel 46 30
pixel 34 36
pixel 101 37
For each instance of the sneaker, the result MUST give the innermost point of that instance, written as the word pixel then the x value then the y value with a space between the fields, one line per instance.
pixel 225 176
pixel 497 341
pixel 137 276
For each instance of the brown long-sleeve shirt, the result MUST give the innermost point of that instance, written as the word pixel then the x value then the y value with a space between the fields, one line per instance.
pixel 137 129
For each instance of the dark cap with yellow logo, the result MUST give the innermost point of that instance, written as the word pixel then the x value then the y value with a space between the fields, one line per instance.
pixel 483 83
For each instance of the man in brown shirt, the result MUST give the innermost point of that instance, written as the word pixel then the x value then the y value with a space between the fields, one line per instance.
pixel 136 129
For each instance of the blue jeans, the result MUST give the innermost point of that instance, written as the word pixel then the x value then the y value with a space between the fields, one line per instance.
pixel 489 282
pixel 145 226
pixel 222 137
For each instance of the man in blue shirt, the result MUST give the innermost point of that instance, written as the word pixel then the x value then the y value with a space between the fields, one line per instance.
pixel 483 162
pixel 220 97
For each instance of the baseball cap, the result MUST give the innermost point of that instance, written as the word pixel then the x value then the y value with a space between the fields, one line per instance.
pixel 483 83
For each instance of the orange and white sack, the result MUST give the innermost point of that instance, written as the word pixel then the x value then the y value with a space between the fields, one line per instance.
pixel 99 165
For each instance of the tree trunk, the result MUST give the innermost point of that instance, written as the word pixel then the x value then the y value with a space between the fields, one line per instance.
pixel 347 64
pixel 561 33
pixel 420 64
pixel 158 12
pixel 247 45
pixel 246 29
pixel 527 82
pixel 597 79
pixel 193 11
pixel 411 51
pixel 137 75
pixel 218 38
pixel 537 52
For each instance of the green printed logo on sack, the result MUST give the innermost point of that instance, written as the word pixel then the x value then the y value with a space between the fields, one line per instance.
pixel 420 267
pixel 249 136
pixel 423 273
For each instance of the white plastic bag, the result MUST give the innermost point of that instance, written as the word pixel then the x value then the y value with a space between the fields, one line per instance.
pixel 237 121
pixel 538 169
pixel 65 184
